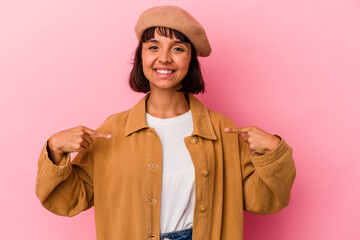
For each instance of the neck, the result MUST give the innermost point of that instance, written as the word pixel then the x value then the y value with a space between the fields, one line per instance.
pixel 167 104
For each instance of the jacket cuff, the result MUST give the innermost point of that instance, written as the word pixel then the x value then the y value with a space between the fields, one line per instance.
pixel 276 153
pixel 64 166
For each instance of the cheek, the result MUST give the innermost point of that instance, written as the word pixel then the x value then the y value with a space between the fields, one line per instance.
pixel 145 66
pixel 143 59
pixel 185 63
pixel 147 61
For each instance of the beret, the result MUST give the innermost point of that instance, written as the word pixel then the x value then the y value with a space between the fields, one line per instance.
pixel 175 18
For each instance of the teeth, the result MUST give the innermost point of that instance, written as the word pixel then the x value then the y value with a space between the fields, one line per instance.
pixel 163 71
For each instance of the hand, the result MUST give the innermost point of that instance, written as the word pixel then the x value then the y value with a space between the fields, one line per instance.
pixel 77 139
pixel 259 141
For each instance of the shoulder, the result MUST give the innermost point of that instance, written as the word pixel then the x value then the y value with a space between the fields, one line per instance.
pixel 218 118
pixel 116 119
pixel 219 122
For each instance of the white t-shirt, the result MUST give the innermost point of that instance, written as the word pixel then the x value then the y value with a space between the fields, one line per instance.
pixel 178 175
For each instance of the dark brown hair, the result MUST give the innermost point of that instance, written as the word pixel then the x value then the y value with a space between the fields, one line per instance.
pixel 193 82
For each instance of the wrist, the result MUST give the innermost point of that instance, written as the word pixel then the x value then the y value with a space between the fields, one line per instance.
pixel 54 154
pixel 53 148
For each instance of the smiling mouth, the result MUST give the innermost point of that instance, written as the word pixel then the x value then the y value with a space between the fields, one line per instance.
pixel 164 71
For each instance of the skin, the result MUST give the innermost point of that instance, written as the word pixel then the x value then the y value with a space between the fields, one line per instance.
pixel 163 102
pixel 75 139
pixel 163 52
pixel 258 140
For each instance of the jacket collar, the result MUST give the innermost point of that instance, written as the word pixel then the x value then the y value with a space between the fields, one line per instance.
pixel 200 115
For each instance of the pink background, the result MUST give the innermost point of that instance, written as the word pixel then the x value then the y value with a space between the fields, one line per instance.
pixel 288 67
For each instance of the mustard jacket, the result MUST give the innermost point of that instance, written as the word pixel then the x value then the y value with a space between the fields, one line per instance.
pixel 121 177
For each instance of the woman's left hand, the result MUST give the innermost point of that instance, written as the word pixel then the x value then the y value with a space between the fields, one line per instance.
pixel 259 141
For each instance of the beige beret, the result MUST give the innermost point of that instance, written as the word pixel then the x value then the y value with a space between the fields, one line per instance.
pixel 175 18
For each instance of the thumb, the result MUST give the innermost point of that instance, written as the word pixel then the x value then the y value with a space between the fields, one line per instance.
pixel 244 129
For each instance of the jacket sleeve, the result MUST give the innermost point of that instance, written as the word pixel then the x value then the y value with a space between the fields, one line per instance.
pixel 66 189
pixel 267 178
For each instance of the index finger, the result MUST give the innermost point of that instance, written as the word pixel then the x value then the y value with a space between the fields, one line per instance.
pixel 236 130
pixel 94 133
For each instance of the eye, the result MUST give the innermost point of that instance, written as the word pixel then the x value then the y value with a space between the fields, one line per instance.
pixel 153 47
pixel 178 49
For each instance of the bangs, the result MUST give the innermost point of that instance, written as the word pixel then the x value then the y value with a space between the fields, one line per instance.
pixel 165 32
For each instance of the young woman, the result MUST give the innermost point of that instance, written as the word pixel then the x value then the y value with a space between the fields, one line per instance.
pixel 168 168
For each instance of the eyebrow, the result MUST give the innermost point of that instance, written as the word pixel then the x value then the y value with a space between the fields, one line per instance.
pixel 156 41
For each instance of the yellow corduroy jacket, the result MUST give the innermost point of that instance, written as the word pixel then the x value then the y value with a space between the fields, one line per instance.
pixel 121 177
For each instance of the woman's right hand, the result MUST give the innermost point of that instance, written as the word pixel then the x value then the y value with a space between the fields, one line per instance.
pixel 77 139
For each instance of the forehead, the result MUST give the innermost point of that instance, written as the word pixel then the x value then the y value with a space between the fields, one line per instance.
pixel 160 38
pixel 164 39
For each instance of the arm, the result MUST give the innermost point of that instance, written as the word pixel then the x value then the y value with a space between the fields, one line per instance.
pixel 267 178
pixel 65 189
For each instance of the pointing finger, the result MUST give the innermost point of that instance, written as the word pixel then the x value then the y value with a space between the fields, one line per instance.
pixel 234 130
pixel 229 130
pixel 93 133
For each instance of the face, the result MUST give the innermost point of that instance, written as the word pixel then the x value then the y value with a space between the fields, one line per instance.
pixel 165 61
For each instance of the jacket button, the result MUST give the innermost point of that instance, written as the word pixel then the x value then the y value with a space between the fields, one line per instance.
pixel 202 208
pixel 194 140
pixel 205 172
pixel 152 165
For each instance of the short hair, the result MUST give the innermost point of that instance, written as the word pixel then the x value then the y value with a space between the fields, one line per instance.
pixel 193 82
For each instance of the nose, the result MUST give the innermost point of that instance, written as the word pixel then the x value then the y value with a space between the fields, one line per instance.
pixel 165 56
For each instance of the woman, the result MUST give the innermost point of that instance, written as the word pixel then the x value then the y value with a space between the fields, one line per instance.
pixel 169 149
